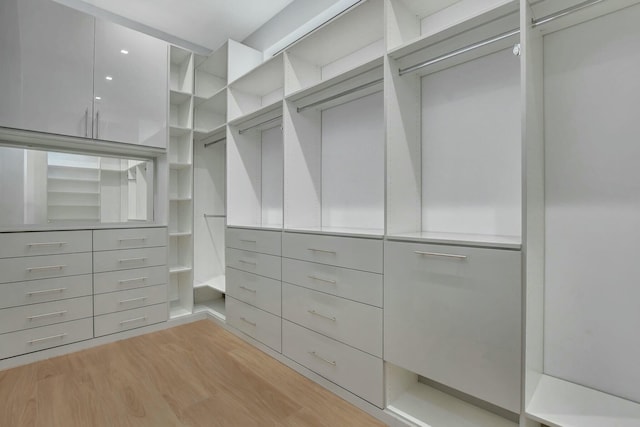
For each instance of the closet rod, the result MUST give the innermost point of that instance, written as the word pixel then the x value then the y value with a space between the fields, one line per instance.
pixel 214 142
pixel 340 95
pixel 266 122
pixel 214 216
pixel 564 12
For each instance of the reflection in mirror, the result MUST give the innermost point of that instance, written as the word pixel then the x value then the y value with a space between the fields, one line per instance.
pixel 41 187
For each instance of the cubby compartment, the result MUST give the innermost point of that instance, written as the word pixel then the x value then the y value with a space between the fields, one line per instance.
pixel 347 46
pixel 180 216
pixel 255 171
pixel 180 246
pixel 180 110
pixel 210 115
pixel 211 73
pixel 180 293
pixel 181 70
pixel 180 148
pixel 180 182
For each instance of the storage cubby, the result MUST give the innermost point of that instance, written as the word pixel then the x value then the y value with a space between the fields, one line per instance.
pixel 210 115
pixel 181 110
pixel 180 148
pixel 453 138
pixel 181 70
pixel 255 162
pixel 73 188
pixel 180 293
pixel 350 44
pixel 211 73
pixel 180 181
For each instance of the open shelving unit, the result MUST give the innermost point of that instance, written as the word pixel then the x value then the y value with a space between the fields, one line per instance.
pixel 73 189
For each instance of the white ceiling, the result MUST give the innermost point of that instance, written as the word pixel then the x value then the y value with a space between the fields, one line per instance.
pixel 204 23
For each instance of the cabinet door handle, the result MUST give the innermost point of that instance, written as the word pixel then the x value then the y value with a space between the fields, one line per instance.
pixel 327 361
pixel 248 241
pixel 248 321
pixel 97 124
pixel 86 123
pixel 125 301
pixel 324 316
pixel 40 245
pixel 53 337
pixel 438 254
pixel 247 262
pixel 128 239
pixel 137 319
pixel 122 261
pixel 137 279
pixel 321 250
pixel 46 291
pixel 41 316
pixel 46 268
pixel 248 289
pixel 320 279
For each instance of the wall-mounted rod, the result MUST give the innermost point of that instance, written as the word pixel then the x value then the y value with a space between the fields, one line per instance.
pixel 460 51
pixel 214 216
pixel 339 95
pixel 266 122
pixel 214 142
pixel 564 12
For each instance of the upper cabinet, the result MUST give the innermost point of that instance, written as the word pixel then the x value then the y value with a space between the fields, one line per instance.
pixel 66 73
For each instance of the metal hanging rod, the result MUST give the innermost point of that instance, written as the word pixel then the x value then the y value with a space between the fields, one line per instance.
pixel 564 12
pixel 340 95
pixel 266 122
pixel 214 216
pixel 214 142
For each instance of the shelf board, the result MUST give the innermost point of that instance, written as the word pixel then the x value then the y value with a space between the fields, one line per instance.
pixel 428 407
pixel 202 134
pixel 264 110
pixel 556 402
pixel 215 307
pixel 72 205
pixel 180 233
pixel 178 311
pixel 92 193
pixel 180 199
pixel 75 168
pixel 180 269
pixel 199 99
pixel 217 283
pixel 376 233
pixel 276 227
pixel 55 178
pixel 178 130
pixel 461 239
pixel 178 97
pixel 180 165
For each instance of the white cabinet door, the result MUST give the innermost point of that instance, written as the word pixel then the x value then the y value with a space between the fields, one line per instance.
pixel 130 92
pixel 46 64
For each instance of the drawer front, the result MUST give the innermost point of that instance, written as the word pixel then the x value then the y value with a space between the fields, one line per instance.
pixel 36 339
pixel 258 324
pixel 38 291
pixel 355 285
pixel 254 262
pixel 128 259
pixel 113 281
pixel 266 242
pixel 127 300
pixel 355 324
pixel 129 238
pixel 358 372
pixel 44 267
pixel 44 243
pixel 349 252
pixel 258 291
pixel 47 313
pixel 130 319
pixel 453 315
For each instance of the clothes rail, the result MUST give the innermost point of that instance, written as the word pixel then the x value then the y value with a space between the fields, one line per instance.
pixel 340 95
pixel 214 142
pixel 277 119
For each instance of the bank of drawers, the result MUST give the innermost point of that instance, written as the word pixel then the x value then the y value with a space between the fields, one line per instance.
pixel 254 287
pixel 332 295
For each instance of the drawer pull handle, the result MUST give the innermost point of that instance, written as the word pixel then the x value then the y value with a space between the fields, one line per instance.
pixel 248 241
pixel 53 337
pixel 137 279
pixel 320 279
pixel 40 316
pixel 248 321
pixel 46 291
pixel 247 262
pixel 130 239
pixel 324 251
pixel 47 268
pixel 137 319
pixel 315 313
pixel 122 261
pixel 438 254
pixel 124 301
pixel 39 245
pixel 327 361
pixel 248 289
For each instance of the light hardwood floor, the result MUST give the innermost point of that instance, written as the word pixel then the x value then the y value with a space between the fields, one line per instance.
pixel 192 375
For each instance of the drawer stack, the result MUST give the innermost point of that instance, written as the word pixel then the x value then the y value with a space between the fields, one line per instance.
pixel 332 309
pixel 45 290
pixel 253 280
pixel 130 278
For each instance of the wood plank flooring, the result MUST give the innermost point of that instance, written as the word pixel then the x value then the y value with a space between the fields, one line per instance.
pixel 192 375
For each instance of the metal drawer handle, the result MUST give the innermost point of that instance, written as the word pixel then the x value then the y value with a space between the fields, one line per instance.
pixel 137 279
pixel 320 279
pixel 49 267
pixel 437 254
pixel 40 316
pixel 46 291
pixel 321 250
pixel 37 245
pixel 248 289
pixel 247 262
pixel 315 313
pixel 124 301
pixel 53 337
pixel 127 239
pixel 247 321
pixel 122 261
pixel 248 241
pixel 137 319
pixel 330 362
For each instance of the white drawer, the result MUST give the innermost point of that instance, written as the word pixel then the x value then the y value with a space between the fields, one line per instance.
pixel 349 252
pixel 47 313
pixel 263 241
pixel 344 282
pixel 37 291
pixel 358 372
pixel 453 315
pixel 44 267
pixel 36 339
pixel 258 291
pixel 254 262
pixel 129 259
pixel 130 319
pixel 129 238
pixel 44 243
pixel 113 281
pixel 258 324
pixel 127 300
pixel 355 324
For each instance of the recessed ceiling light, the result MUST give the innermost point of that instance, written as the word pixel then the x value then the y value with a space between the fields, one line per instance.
pixel 109 78
pixel 98 98
pixel 124 52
